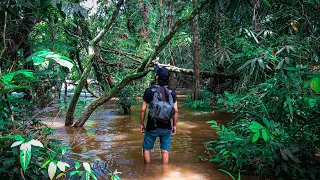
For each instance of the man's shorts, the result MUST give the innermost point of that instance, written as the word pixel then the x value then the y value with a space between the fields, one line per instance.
pixel 150 137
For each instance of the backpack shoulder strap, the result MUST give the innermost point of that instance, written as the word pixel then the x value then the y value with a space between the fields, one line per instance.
pixel 170 95
pixel 155 94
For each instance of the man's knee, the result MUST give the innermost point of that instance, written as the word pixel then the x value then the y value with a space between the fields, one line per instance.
pixel 164 152
pixel 147 157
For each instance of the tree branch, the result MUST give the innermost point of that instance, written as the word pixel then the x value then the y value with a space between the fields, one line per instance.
pixel 131 56
pixel 108 25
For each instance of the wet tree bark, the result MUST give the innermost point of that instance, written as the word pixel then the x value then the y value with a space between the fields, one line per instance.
pixel 196 63
pixel 141 71
pixel 91 54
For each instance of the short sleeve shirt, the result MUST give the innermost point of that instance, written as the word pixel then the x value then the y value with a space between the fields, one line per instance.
pixel 148 97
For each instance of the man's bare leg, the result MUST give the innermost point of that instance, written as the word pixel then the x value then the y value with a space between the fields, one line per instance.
pixel 165 157
pixel 147 157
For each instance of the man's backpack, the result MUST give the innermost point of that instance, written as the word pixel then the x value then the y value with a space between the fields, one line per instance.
pixel 159 110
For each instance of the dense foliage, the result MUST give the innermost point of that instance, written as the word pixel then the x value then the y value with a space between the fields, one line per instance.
pixel 264 53
pixel 276 130
pixel 276 102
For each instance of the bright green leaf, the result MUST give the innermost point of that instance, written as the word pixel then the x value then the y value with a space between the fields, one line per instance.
pixel 315 84
pixel 264 134
pixel 25 155
pixel 256 124
pixel 256 136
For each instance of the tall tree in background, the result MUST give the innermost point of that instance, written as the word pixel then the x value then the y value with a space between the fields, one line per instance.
pixel 196 63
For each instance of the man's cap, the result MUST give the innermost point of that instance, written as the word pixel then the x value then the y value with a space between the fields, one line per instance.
pixel 163 73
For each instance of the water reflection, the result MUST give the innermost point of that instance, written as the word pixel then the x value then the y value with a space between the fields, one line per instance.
pixel 111 140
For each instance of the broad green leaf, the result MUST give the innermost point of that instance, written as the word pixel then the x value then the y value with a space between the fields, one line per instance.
pixel 254 128
pixel 25 155
pixel 17 143
pixel 86 166
pixel 39 57
pixel 52 170
pixel 256 136
pixel 6 79
pixel 312 102
pixel 264 134
pixel 36 143
pixel 315 84
pixel 61 61
pixel 16 137
pixel 256 124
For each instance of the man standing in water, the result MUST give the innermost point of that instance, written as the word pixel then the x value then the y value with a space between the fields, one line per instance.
pixel 155 128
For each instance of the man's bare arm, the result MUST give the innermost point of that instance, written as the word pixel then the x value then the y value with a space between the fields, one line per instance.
pixel 142 115
pixel 175 117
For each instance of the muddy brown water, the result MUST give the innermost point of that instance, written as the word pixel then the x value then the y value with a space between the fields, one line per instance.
pixel 110 140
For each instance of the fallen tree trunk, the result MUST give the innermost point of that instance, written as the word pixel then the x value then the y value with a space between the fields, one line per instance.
pixel 203 74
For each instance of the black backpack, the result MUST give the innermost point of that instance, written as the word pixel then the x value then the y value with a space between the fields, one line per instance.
pixel 159 110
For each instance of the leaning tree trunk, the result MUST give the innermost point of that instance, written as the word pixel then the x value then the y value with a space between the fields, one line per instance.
pixel 91 54
pixel 196 63
pixel 141 71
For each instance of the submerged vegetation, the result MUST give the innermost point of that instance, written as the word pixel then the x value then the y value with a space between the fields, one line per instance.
pixel 258 59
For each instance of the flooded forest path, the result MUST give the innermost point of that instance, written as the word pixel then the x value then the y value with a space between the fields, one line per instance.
pixel 110 140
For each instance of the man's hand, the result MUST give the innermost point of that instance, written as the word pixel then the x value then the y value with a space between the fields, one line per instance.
pixel 174 129
pixel 142 128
